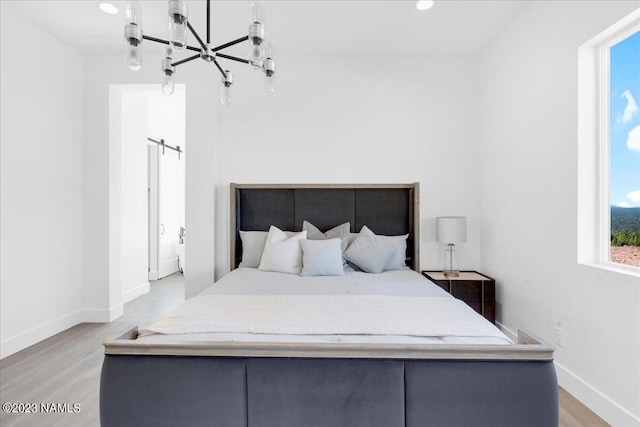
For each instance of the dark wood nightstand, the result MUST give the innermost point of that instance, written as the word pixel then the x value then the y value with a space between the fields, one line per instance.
pixel 475 289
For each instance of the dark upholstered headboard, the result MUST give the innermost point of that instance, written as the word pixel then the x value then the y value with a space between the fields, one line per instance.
pixel 389 209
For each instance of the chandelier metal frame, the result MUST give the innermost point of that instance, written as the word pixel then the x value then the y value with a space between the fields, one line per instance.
pixel 134 35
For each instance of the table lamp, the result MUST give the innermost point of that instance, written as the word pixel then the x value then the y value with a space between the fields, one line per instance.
pixel 451 230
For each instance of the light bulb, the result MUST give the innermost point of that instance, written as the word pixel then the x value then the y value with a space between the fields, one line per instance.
pixel 225 95
pixel 168 69
pixel 256 34
pixel 269 70
pixel 167 52
pixel 167 84
pixel 267 50
pixel 256 56
pixel 177 35
pixel 134 62
pixel 133 13
pixel 178 17
pixel 256 12
pixel 269 87
pixel 133 35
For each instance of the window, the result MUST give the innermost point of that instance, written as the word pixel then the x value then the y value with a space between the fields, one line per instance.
pixel 609 148
pixel 624 150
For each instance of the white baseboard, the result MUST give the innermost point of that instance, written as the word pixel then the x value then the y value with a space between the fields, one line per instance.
pixel 134 293
pixel 97 315
pixel 167 267
pixel 603 406
pixel 35 335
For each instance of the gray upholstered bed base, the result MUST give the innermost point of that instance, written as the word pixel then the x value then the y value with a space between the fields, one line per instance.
pixel 299 392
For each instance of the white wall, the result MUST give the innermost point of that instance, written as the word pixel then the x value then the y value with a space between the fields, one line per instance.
pixel 166 117
pixel 529 207
pixel 333 119
pixel 41 154
pixel 98 295
pixel 365 120
pixel 134 228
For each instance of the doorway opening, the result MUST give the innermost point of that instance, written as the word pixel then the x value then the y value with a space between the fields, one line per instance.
pixel 147 187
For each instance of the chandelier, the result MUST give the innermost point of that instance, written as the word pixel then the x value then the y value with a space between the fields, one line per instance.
pixel 260 52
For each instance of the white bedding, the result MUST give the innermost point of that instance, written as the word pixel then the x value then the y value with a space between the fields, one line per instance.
pixel 398 306
pixel 251 281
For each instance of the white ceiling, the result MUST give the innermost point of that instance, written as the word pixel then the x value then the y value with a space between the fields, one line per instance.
pixel 451 27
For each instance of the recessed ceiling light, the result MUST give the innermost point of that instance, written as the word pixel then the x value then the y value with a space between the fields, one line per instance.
pixel 108 8
pixel 424 4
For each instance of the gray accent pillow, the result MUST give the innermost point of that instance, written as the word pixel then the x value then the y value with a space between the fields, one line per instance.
pixel 398 259
pixel 338 232
pixel 252 247
pixel 322 257
pixel 370 252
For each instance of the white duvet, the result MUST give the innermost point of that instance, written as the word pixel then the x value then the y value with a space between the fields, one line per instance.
pixel 396 306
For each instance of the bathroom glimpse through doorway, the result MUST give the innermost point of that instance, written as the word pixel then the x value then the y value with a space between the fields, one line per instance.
pixel 166 211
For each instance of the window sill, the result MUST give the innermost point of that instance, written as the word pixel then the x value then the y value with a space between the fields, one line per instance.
pixel 615 268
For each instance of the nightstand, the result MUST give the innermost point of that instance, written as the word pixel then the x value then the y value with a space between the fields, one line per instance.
pixel 475 289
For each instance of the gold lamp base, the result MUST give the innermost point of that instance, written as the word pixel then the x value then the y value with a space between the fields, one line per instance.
pixel 451 273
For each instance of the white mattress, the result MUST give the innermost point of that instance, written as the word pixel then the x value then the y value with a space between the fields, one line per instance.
pixel 252 282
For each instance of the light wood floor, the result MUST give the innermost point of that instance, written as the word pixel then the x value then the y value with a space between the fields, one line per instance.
pixel 66 367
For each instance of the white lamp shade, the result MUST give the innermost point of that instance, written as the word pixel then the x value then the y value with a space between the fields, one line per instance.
pixel 451 229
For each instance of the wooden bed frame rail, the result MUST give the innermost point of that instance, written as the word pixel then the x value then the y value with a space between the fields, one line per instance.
pixel 527 348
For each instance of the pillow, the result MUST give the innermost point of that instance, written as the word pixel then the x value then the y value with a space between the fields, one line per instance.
pixel 253 246
pixel 322 257
pixel 369 252
pixel 398 260
pixel 340 232
pixel 282 253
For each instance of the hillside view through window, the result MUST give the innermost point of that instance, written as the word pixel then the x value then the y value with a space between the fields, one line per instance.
pixel 624 142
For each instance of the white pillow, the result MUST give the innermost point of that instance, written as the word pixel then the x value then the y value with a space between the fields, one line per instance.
pixel 282 253
pixel 252 247
pixel 369 252
pixel 322 257
pixel 398 259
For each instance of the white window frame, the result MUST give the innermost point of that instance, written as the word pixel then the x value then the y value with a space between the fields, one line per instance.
pixel 594 205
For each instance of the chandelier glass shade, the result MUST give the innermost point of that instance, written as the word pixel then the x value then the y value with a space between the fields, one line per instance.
pixel 260 51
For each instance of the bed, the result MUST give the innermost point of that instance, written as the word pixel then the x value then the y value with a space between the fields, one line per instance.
pixel 179 372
